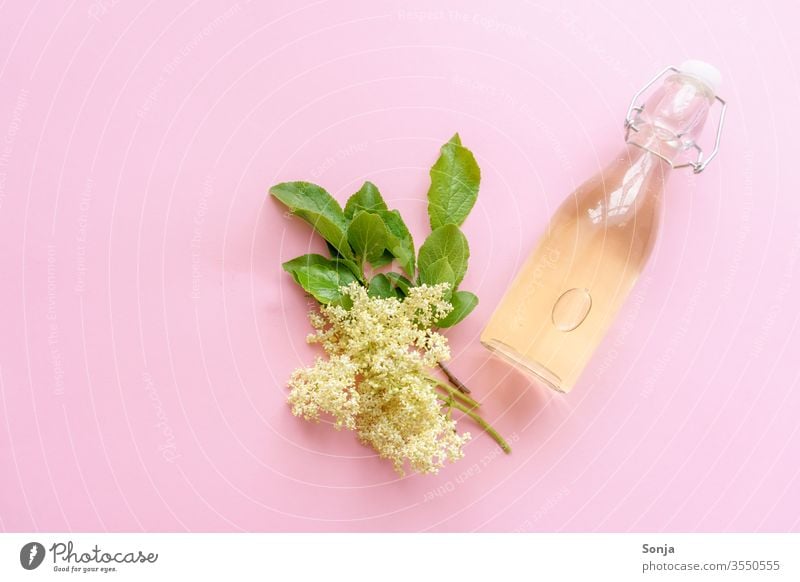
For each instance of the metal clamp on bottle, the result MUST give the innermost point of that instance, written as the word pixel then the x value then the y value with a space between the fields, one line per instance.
pixel 633 121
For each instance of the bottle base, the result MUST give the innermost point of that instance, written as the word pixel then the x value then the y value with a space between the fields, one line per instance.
pixel 525 365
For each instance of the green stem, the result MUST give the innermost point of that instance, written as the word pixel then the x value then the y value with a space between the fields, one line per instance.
pixel 483 424
pixel 453 392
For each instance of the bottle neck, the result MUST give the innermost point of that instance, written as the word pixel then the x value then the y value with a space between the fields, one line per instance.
pixel 648 150
pixel 672 119
pixel 645 174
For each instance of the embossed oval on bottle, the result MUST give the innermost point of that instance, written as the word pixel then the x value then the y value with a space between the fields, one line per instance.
pixel 571 309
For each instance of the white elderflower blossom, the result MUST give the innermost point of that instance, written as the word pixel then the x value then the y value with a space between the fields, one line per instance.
pixel 375 380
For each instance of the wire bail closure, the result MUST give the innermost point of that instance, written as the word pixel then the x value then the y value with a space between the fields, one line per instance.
pixel 632 116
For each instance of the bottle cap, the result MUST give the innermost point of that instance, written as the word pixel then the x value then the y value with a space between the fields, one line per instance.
pixel 701 70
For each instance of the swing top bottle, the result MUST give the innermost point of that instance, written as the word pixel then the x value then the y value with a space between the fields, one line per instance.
pixel 566 294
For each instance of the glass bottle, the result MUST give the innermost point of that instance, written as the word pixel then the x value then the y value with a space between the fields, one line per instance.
pixel 568 291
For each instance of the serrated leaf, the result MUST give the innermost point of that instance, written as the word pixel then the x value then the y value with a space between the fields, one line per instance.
pixel 463 303
pixel 302 262
pixel 380 286
pixel 367 198
pixel 350 264
pixel 383 260
pixel 440 271
pixel 313 204
pixel 400 283
pixel 368 236
pixel 448 242
pixel 455 180
pixel 320 277
pixel 400 242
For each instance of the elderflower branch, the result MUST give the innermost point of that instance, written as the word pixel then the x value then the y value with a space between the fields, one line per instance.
pixel 483 424
pixel 374 376
pixel 453 392
pixel 380 329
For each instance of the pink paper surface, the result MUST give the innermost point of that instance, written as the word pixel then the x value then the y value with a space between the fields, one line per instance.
pixel 148 330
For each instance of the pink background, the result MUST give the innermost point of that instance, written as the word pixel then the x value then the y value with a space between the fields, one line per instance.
pixel 148 331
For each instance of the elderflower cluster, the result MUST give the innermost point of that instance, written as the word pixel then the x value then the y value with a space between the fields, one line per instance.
pixel 375 380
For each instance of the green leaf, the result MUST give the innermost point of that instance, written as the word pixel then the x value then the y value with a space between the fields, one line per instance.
pixel 303 262
pixel 463 303
pixel 350 264
pixel 455 179
pixel 400 242
pixel 314 205
pixel 383 260
pixel 399 282
pixel 320 277
pixel 440 271
pixel 445 242
pixel 367 198
pixel 368 236
pixel 333 251
pixel 380 286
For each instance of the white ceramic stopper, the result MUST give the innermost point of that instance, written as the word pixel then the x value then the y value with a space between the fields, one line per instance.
pixel 706 73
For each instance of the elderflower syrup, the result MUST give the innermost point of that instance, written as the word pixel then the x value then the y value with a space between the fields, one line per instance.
pixel 568 291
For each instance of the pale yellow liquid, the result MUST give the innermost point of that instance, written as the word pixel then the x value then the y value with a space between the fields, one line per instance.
pixel 570 288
